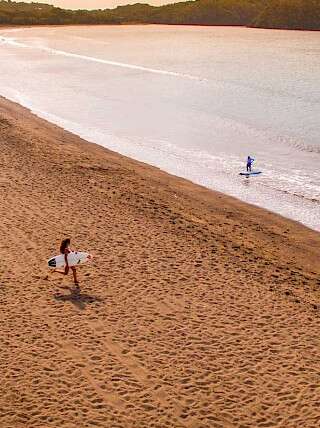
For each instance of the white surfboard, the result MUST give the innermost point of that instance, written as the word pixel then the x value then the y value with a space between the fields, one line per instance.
pixel 74 258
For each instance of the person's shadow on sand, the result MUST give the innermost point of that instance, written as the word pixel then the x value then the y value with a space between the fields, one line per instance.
pixel 80 300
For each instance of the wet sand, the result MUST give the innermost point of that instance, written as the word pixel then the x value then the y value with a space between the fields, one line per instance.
pixel 198 310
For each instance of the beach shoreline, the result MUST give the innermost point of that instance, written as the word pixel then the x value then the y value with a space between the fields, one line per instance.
pixel 199 310
pixel 212 153
pixel 6 26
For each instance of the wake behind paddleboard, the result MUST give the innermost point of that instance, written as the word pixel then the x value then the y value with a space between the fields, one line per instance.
pixel 74 258
pixel 248 174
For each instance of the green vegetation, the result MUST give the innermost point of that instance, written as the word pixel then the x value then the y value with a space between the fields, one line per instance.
pixel 13 13
pixel 288 14
pixel 199 12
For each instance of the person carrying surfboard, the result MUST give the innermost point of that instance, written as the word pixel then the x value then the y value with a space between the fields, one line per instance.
pixel 249 163
pixel 65 250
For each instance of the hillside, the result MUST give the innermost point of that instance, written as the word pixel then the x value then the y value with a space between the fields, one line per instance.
pixel 290 14
pixel 286 14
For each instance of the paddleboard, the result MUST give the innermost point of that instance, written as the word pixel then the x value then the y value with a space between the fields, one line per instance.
pixel 248 174
pixel 74 258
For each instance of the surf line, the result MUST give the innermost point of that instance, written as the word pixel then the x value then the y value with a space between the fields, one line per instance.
pixel 13 42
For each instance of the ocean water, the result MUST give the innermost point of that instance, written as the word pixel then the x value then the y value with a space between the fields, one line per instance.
pixel 194 101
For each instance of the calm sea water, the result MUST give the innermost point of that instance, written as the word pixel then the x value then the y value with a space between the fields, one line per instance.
pixel 194 101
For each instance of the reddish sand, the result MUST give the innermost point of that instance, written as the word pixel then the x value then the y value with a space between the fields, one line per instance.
pixel 198 310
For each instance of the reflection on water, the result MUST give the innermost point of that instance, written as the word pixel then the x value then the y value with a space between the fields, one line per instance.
pixel 195 101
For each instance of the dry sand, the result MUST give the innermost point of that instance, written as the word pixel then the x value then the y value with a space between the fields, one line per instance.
pixel 198 310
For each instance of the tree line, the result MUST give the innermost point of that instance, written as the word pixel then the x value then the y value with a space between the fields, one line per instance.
pixel 283 14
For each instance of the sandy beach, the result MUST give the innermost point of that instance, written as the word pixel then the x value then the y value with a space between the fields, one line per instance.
pixel 198 310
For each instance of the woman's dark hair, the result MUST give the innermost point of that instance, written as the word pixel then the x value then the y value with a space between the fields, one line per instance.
pixel 64 245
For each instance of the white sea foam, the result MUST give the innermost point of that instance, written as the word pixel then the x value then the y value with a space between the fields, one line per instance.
pixel 202 132
pixel 13 42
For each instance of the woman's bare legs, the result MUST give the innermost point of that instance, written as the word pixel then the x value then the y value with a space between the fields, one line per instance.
pixel 74 272
pixel 59 271
pixel 75 279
